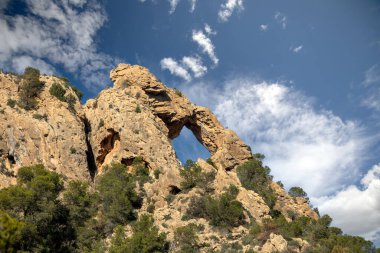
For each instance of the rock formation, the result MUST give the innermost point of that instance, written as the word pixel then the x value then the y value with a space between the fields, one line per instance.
pixel 138 117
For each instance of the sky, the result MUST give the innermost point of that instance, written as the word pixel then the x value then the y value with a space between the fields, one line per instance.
pixel 299 81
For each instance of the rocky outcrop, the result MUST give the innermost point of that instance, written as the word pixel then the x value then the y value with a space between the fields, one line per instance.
pixel 176 111
pixel 52 134
pixel 275 243
pixel 137 117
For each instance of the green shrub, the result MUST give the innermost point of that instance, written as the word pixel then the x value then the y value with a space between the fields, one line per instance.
pixel 297 192
pixel 10 232
pixel 192 176
pixel 186 239
pixel 141 171
pixel 77 92
pixel 58 91
pixel 224 211
pixel 138 109
pixel 73 150
pixel 117 194
pixel 40 116
pixel 145 238
pixel 30 88
pixel 156 173
pixel 254 176
pixel 71 100
pixel 11 103
pixel 101 124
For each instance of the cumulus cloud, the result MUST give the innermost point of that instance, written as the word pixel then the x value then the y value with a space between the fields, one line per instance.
pixel 263 27
pixel 195 65
pixel 356 210
pixel 227 8
pixel 281 19
pixel 304 146
pixel 56 33
pixel 175 68
pixel 182 69
pixel 296 49
pixel 205 44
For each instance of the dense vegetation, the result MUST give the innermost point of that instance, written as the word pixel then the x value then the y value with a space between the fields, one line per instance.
pixel 34 218
pixel 30 88
pixel 40 214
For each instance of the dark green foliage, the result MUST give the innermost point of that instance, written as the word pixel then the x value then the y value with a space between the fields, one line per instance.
pixel 193 176
pixel 145 238
pixel 224 211
pixel 186 239
pixel 70 100
pixel 141 171
pixel 73 150
pixel 156 173
pixel 117 194
pixel 81 203
pixel 34 201
pixel 138 109
pixel 254 176
pixel 11 103
pixel 297 192
pixel 58 91
pixel 30 88
pixel 209 161
pixel 10 232
pixel 40 116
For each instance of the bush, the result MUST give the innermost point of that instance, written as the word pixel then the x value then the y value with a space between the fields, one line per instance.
pixel 193 176
pixel 11 103
pixel 117 194
pixel 40 116
pixel 138 109
pixel 30 88
pixel 10 232
pixel 58 91
pixel 70 100
pixel 186 239
pixel 156 173
pixel 254 176
pixel 145 238
pixel 297 192
pixel 224 211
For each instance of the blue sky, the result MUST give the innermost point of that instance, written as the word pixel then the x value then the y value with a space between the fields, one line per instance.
pixel 298 80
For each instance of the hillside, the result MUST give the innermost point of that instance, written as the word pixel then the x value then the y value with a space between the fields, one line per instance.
pixel 104 176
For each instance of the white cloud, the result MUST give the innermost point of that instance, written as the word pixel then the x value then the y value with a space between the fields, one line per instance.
pixel 372 75
pixel 209 30
pixel 175 68
pixel 195 65
pixel 19 63
pixel 263 27
pixel 173 5
pixel 193 3
pixel 356 210
pixel 304 146
pixel 206 45
pixel 228 8
pixel 281 19
pixel 181 69
pixel 57 33
pixel 296 49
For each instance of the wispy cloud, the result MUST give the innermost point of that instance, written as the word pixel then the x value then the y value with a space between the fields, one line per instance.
pixel 173 5
pixel 304 146
pixel 193 3
pixel 281 19
pixel 264 27
pixel 372 75
pixel 228 8
pixel 209 30
pixel 56 33
pixel 356 210
pixel 175 68
pixel 205 44
pixel 296 49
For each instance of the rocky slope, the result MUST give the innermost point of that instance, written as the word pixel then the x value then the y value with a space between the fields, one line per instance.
pixel 138 117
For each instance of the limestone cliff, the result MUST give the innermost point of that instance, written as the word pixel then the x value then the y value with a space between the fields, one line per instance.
pixel 138 117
